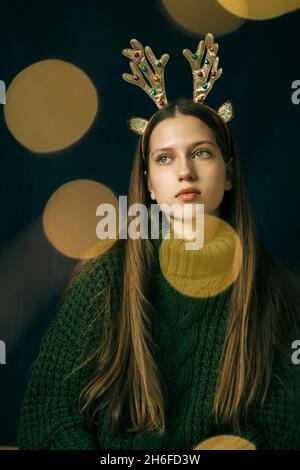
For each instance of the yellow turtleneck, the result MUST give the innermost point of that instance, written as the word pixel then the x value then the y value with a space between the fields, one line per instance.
pixel 205 271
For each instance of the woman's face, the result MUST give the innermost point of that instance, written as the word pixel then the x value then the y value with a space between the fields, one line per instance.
pixel 183 153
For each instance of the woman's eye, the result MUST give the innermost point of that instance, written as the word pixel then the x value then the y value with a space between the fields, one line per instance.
pixel 203 153
pixel 160 157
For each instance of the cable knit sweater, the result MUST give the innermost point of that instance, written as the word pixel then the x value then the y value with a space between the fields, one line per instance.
pixel 189 333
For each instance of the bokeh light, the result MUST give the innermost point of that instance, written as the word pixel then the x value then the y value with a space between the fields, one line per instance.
pixel 225 442
pixel 259 9
pixel 70 219
pixel 199 17
pixel 50 105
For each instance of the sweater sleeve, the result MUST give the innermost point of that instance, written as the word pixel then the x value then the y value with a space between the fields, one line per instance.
pixel 277 421
pixel 275 424
pixel 50 416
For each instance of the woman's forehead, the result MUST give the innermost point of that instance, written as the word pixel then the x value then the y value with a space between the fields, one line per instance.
pixel 179 130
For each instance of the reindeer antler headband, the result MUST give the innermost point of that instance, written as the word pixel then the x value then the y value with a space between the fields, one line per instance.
pixel 205 73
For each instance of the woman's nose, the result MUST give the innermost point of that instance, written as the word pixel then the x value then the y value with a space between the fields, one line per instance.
pixel 186 170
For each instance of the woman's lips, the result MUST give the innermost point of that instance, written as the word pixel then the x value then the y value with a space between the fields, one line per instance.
pixel 188 196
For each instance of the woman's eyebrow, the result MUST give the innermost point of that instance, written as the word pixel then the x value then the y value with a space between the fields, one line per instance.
pixel 164 149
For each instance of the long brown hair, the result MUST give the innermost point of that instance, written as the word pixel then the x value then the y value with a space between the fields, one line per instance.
pixel 261 310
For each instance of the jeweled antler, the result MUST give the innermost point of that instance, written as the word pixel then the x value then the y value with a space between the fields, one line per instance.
pixel 155 75
pixel 203 83
pixel 204 76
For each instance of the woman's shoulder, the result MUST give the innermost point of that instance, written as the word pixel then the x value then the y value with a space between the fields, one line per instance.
pixel 82 301
pixel 99 268
pixel 276 276
pixel 90 279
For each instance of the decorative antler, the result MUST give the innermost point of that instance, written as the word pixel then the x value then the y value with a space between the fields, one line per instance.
pixel 204 76
pixel 203 84
pixel 139 64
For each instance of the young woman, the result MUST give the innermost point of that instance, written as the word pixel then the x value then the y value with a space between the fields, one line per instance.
pixel 132 362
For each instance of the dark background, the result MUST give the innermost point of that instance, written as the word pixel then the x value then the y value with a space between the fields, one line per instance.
pixel 260 61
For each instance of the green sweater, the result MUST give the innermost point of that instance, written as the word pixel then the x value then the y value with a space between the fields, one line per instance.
pixel 189 333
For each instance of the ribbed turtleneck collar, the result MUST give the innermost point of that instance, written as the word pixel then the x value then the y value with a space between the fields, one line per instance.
pixel 199 272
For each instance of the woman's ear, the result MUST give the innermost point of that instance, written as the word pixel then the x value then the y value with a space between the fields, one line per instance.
pixel 152 195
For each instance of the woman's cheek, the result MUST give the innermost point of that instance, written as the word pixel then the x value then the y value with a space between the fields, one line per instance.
pixel 213 197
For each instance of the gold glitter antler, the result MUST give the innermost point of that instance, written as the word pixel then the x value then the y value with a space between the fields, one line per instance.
pixel 202 83
pixel 139 66
pixel 204 76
